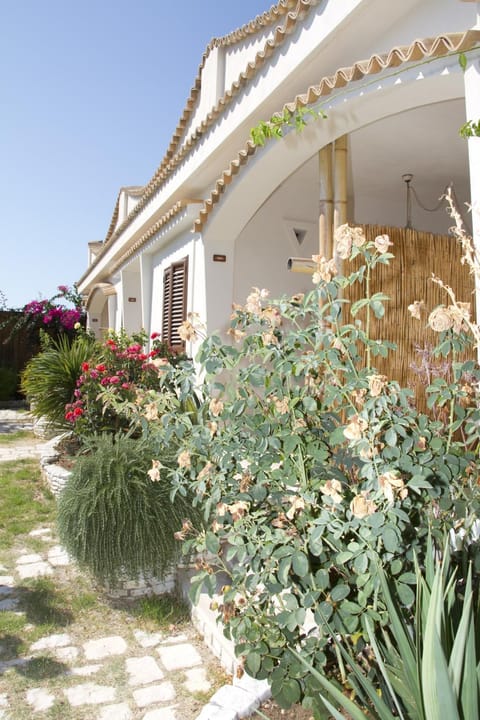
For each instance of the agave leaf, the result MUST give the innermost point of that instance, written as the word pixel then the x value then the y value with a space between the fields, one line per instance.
pixel 470 682
pixel 458 654
pixel 354 711
pixel 438 695
pixel 382 667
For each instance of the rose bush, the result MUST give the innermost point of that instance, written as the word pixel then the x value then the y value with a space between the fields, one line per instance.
pixel 311 468
pixel 120 372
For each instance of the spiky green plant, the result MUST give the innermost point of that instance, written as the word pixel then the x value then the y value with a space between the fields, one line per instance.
pixel 49 379
pixel 428 662
pixel 113 518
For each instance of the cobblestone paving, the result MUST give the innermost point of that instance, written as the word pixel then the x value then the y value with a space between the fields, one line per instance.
pixel 129 674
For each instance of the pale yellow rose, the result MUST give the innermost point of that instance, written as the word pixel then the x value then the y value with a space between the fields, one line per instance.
pixel 154 472
pixel 281 406
pixel 361 506
pixel 269 338
pixel 343 242
pixel 273 316
pixel 355 428
pixel 297 505
pixel 382 243
pixel 376 383
pixel 333 489
pixel 184 460
pixel 416 308
pixel 460 314
pixel 238 509
pixel 236 334
pixel 151 411
pixel 440 319
pixel 254 300
pixel 390 483
pixel 216 407
pixel 187 331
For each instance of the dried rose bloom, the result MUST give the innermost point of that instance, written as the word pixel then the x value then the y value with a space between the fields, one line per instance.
pixel 254 300
pixel 236 334
pixel 333 489
pixel 355 428
pixel 184 460
pixel 390 484
pixel 187 332
pixel 361 506
pixel 382 243
pixel 416 308
pixel 376 383
pixel 440 319
pixel 216 407
pixel 154 472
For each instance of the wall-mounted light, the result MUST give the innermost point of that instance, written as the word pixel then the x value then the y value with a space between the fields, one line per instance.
pixel 301 265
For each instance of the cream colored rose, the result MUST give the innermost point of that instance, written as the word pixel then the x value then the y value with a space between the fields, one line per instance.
pixel 440 319
pixel 358 397
pixel 269 338
pixel 390 484
pixel 355 428
pixel 343 242
pixel 254 300
pixel 460 314
pixel 273 316
pixel 326 269
pixel 151 411
pixel 382 243
pixel 236 334
pixel 281 406
pixel 216 407
pixel 361 506
pixel 184 460
pixel 376 383
pixel 297 505
pixel 333 489
pixel 416 308
pixel 154 472
pixel 187 331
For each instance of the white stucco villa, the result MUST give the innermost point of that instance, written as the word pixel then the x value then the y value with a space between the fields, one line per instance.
pixel 221 215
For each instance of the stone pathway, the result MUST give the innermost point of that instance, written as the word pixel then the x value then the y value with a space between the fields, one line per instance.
pixel 162 672
pixel 129 674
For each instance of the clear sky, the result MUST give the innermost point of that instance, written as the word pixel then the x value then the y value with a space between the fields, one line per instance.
pixel 90 95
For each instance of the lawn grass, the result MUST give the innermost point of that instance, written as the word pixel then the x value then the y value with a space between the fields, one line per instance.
pixel 26 502
pixel 18 436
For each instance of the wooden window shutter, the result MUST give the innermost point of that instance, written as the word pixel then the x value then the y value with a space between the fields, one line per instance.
pixel 174 313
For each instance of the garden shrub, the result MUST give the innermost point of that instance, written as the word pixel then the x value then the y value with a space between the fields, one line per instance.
pixel 311 468
pixel 8 383
pixel 119 373
pixel 50 378
pixel 115 514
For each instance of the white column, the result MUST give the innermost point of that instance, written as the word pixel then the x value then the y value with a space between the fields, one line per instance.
pixel 472 107
pixel 146 291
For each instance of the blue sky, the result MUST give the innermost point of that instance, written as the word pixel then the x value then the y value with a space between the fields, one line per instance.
pixel 90 95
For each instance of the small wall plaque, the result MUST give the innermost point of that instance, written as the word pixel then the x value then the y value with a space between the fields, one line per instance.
pixel 219 258
pixel 132 299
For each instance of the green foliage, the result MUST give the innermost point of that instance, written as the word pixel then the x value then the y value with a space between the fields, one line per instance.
pixel 275 127
pixel 312 469
pixel 8 383
pixel 470 129
pixel 119 373
pixel 116 520
pixel 49 379
pixel 427 660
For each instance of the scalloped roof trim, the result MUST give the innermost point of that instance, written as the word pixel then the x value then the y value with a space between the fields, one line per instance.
pixel 175 154
pixel 438 46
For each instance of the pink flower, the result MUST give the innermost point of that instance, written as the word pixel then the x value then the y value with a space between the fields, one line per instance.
pixel 114 380
pixel 125 386
pixel 101 367
pixel 63 289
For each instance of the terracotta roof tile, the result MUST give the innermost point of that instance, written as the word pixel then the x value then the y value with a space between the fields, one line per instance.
pixel 419 50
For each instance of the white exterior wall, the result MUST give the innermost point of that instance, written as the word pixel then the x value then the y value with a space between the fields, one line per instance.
pixel 131 300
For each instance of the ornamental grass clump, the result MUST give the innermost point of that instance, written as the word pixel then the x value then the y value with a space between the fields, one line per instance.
pixel 313 468
pixel 117 519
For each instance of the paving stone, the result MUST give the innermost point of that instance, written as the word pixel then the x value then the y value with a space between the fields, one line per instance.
pixel 154 694
pixel 58 557
pixel 167 713
pixel 9 603
pixel 143 670
pixel 67 654
pixel 120 711
pixel 3 700
pixel 40 699
pixel 175 639
pixel 52 641
pixel 104 647
pixel 40 532
pixel 229 696
pixel 90 694
pixel 29 559
pixel 176 657
pixel 6 584
pixel 85 670
pixel 197 680
pixel 147 639
pixel 33 570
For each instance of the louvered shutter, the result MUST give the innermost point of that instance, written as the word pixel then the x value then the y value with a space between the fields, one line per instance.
pixel 174 303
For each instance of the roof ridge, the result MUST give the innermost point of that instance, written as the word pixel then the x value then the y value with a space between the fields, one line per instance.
pixel 437 46
pixel 174 154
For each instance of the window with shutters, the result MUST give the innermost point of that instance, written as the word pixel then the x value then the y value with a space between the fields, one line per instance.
pixel 174 303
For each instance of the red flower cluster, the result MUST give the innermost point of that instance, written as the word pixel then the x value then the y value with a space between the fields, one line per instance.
pixel 124 368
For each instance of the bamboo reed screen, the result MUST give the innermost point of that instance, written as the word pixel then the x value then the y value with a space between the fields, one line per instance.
pixel 406 279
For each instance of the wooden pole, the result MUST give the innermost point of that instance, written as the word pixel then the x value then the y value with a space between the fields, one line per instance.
pixel 325 218
pixel 340 188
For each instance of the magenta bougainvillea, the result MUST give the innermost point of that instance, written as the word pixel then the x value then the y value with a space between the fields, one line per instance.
pixel 55 315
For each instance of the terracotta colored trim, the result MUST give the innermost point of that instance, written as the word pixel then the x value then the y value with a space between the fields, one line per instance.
pixel 439 46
